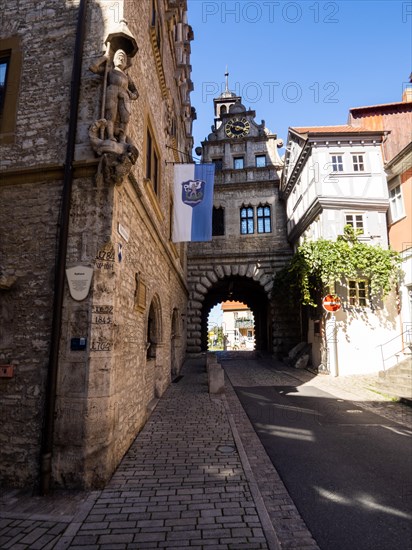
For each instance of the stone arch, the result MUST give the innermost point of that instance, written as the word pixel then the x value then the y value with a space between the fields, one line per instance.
pixel 250 283
pixel 154 327
pixel 154 376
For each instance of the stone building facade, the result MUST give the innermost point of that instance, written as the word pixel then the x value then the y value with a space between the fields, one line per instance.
pixel 121 342
pixel 249 241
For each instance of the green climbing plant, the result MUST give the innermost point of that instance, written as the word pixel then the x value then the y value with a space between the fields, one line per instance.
pixel 321 263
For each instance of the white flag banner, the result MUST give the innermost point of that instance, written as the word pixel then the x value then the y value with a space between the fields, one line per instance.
pixel 193 202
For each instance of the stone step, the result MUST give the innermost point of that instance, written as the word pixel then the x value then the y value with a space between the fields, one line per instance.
pixel 404 376
pixel 404 367
pixel 396 389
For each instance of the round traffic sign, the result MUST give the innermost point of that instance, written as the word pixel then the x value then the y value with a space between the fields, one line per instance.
pixel 331 302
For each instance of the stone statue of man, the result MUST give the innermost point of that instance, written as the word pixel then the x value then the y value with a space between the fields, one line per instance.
pixel 119 93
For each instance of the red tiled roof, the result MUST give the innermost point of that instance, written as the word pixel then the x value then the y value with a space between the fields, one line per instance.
pixel 342 129
pixel 233 306
pixel 382 106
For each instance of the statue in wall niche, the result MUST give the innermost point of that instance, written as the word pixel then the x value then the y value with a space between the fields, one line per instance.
pixel 108 135
pixel 120 91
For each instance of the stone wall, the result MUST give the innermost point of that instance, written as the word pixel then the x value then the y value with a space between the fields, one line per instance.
pixel 105 392
pixel 46 31
pixel 27 259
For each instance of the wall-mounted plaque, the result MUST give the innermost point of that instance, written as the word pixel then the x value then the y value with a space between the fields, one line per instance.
pixel 140 294
pixel 79 279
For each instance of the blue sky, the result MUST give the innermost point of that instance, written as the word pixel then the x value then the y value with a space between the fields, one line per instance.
pixel 299 62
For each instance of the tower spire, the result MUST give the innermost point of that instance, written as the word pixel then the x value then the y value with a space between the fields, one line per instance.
pixel 224 101
pixel 227 79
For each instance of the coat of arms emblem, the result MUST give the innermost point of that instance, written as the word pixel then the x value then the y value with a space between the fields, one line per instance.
pixel 193 192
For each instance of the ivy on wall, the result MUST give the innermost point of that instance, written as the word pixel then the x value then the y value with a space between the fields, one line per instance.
pixel 321 263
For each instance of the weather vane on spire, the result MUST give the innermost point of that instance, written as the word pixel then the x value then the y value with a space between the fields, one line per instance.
pixel 227 79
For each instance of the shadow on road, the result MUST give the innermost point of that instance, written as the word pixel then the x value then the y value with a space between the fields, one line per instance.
pixel 347 469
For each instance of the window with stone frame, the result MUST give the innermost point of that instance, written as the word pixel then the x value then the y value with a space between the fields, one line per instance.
pixel 247 220
pixel 4 65
pixel 260 161
pixel 218 164
pixel 155 24
pixel 238 163
pixel 336 163
pixel 358 292
pixel 152 161
pixel 358 163
pixel 396 207
pixel 11 60
pixel 264 219
pixel 356 221
pixel 218 221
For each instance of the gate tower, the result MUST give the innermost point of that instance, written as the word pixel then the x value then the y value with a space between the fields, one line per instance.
pixel 249 241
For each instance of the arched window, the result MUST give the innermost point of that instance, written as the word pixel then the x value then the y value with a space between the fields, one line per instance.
pixel 223 110
pixel 247 221
pixel 218 222
pixel 154 328
pixel 264 222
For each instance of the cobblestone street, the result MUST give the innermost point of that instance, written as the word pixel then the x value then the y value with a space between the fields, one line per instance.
pixel 196 476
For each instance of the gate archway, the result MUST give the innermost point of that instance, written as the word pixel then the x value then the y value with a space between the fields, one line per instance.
pixel 248 283
pixel 248 291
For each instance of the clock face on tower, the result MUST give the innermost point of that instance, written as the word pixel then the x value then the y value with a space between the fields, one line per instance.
pixel 237 127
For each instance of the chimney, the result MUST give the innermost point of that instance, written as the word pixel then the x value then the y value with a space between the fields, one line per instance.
pixel 407 92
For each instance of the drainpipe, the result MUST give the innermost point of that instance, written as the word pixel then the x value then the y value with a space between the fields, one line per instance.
pixel 50 397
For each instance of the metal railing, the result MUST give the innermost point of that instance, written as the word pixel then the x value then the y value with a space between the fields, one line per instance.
pixel 400 343
pixel 244 323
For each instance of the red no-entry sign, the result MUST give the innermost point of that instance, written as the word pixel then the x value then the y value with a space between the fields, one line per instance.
pixel 331 302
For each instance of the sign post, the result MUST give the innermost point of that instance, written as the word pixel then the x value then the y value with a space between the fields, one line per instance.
pixel 332 303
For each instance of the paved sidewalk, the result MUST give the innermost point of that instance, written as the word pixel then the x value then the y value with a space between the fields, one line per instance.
pixel 182 484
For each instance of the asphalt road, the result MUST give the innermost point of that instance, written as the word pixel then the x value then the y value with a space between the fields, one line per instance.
pixel 349 471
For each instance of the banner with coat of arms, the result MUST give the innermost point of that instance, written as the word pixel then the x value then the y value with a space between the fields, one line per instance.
pixel 193 202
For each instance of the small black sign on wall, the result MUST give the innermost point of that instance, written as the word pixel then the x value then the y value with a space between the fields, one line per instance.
pixel 78 344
